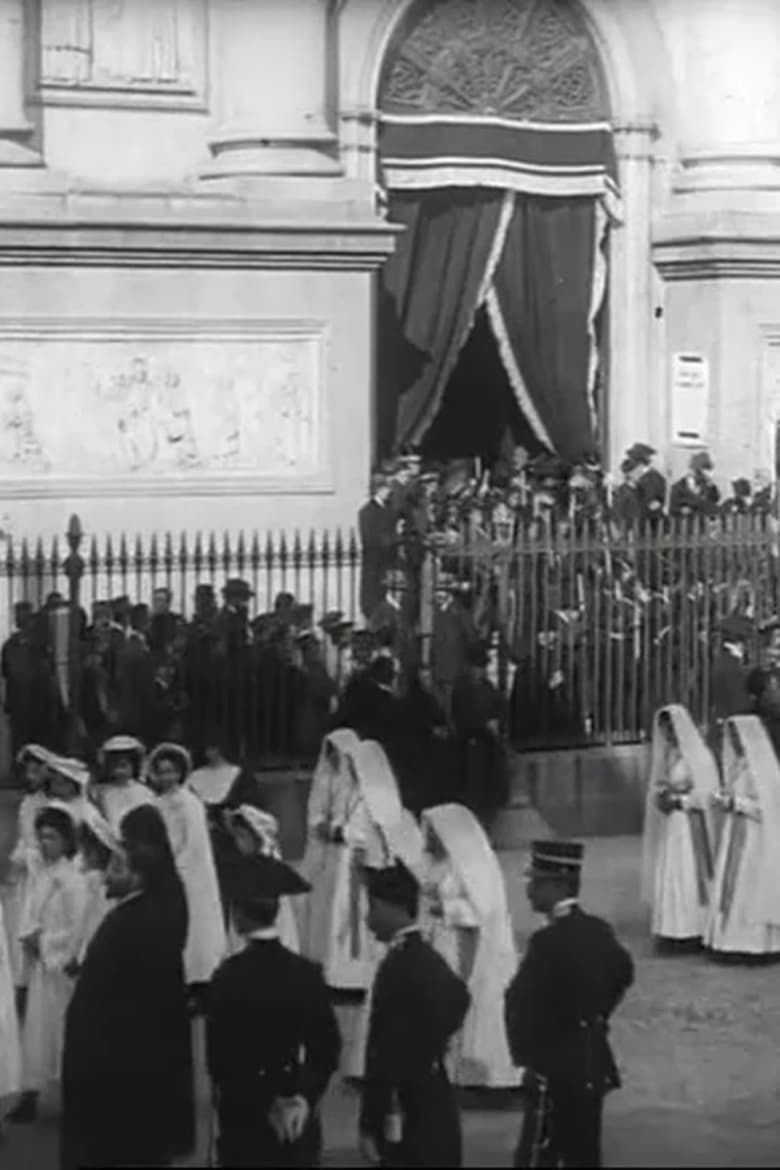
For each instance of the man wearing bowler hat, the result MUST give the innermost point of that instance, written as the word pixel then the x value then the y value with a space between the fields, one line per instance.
pixel 651 486
pixel 730 692
pixel 557 1009
pixel 272 1040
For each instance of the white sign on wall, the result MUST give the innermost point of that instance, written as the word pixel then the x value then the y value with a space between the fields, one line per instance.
pixel 690 399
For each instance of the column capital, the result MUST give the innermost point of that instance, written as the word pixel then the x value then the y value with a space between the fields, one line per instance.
pixel 16 131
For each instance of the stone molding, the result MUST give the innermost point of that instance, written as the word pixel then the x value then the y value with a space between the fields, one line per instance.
pixel 725 247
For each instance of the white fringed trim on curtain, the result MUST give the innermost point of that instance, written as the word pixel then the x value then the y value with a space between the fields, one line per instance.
pixel 513 372
pixel 426 175
pixel 496 250
pixel 598 288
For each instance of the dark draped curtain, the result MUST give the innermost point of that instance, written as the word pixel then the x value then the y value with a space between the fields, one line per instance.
pixel 543 284
pixel 427 301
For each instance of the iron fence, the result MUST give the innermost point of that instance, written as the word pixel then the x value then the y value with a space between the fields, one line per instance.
pixel 589 629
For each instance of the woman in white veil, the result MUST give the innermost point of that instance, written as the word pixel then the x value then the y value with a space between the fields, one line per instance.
pixel 745 909
pixel 680 828
pixel 466 918
pixel 354 811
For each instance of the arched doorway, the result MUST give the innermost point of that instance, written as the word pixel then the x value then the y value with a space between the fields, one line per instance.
pixel 499 108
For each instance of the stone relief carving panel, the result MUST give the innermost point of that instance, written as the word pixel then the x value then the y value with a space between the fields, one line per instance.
pixel 525 59
pixel 148 46
pixel 97 403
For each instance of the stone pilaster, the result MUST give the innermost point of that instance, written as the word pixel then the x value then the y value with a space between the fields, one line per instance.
pixel 15 129
pixel 272 106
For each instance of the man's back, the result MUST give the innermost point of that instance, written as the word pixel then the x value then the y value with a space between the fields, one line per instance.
pixel 271 1033
pixel 571 979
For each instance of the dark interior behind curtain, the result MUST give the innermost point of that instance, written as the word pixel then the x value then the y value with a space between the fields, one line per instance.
pixel 427 302
pixel 543 283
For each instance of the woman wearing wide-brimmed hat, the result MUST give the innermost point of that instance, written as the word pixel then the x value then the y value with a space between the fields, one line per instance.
pixel 119 790
pixel 168 768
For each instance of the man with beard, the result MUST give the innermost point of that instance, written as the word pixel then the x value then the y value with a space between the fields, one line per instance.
pixel 127 1088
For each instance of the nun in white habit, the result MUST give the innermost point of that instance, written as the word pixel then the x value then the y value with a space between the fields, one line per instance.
pixel 184 814
pixel 465 916
pixel 680 828
pixel 744 918
pixel 354 811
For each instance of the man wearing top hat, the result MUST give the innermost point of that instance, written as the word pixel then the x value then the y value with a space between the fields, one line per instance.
pixel 557 1010
pixel 409 1114
pixel 272 1040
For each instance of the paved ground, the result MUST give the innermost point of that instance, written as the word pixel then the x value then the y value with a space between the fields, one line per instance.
pixel 699 1044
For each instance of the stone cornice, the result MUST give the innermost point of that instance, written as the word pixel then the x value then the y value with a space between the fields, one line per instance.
pixel 718 246
pixel 170 244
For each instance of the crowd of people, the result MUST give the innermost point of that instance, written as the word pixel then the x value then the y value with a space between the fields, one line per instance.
pixel 143 894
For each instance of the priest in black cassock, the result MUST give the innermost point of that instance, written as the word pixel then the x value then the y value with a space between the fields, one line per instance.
pixel 272 1038
pixel 127 1079
pixel 409 1114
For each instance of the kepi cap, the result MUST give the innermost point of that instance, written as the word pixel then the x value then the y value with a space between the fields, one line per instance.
pixel 556 858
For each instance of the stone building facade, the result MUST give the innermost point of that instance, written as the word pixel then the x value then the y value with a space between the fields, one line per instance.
pixel 191 225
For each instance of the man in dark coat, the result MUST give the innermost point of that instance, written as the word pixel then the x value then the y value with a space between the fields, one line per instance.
pixel 127 1081
pixel 696 494
pixel 409 1114
pixel 730 693
pixel 377 524
pixel 476 716
pixel 651 486
pixel 272 1038
pixel 557 1009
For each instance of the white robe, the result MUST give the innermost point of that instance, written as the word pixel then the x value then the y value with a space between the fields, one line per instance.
pixel 25 861
pixel 745 906
pixel 55 908
pixel 185 820
pixel 117 800
pixel 10 1050
pixel 360 799
pixel 408 848
pixel 474 935
pixel 679 846
pixel 97 905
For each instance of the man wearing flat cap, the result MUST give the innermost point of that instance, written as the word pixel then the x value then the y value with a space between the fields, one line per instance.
pixel 272 1040
pixel 409 1114
pixel 651 486
pixel 557 1010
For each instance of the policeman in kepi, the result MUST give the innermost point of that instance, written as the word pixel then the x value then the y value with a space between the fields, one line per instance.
pixel 557 1010
pixel 409 1114
pixel 272 1040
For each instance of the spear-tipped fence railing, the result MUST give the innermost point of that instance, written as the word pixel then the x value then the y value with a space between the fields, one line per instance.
pixel 591 629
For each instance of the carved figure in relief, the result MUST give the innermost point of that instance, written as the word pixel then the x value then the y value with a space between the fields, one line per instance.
pixel 135 42
pixel 18 427
pixel 176 421
pixel 137 424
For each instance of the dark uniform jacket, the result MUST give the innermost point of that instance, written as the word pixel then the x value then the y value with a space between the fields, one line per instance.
pixel 558 1005
pixel 729 691
pixel 419 1004
pixel 271 1032
pixel 127 1087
